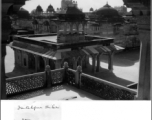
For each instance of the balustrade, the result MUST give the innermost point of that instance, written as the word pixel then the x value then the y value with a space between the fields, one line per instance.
pixel 57 76
pixel 104 89
pixel 24 83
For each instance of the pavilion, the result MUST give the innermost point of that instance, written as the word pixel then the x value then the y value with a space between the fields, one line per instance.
pixel 69 44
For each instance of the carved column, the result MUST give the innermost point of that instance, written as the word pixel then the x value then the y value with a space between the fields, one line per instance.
pixel 141 9
pixel 15 55
pixel 87 61
pixel 36 63
pixel 65 28
pixel 74 63
pixel 98 62
pixel 82 59
pixel 6 27
pixel 77 27
pixel 144 68
pixel 94 58
pixel 46 60
pixel 71 27
pixel 110 61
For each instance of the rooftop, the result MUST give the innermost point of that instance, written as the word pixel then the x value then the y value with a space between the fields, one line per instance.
pixel 51 39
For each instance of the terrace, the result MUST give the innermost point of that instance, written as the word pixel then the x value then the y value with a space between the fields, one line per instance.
pixel 65 84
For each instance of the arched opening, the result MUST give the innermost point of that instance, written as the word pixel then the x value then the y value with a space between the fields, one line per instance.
pixel 61 28
pixel 80 27
pixel 46 24
pixel 42 64
pixel 74 28
pixel 52 64
pixel 31 62
pixel 35 24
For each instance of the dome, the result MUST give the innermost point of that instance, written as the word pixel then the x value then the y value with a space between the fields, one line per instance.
pixel 107 11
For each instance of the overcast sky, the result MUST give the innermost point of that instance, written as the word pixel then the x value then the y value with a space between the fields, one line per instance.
pixel 84 4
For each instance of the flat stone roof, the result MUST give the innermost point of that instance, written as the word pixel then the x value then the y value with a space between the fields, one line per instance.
pixel 44 38
pixel 51 40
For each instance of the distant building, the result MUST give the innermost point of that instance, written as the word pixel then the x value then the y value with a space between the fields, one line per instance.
pixel 104 21
pixel 68 3
pixel 122 10
pixel 107 22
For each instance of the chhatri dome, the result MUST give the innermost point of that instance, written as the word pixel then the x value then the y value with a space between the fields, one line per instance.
pixel 107 10
pixel 108 13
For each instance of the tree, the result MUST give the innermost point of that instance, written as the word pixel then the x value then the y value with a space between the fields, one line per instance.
pixel 91 10
pixel 50 9
pixel 39 9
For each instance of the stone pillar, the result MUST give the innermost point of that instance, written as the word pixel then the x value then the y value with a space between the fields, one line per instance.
pixel 58 64
pixel 65 66
pixel 98 62
pixel 36 63
pixel 3 81
pixel 74 63
pixel 144 67
pixel 65 28
pixel 87 61
pixel 94 58
pixel 81 64
pixel 48 77
pixel 15 55
pixel 110 61
pixel 6 27
pixel 58 28
pixel 83 27
pixel 77 76
pixel 46 60
pixel 71 27
pixel 141 10
pixel 77 27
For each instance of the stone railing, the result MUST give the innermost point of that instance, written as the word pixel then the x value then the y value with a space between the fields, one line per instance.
pixel 71 77
pixel 57 76
pixel 25 83
pixel 99 87
pixel 30 82
pixel 104 89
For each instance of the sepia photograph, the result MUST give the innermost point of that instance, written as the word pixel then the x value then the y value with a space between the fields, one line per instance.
pixel 75 50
